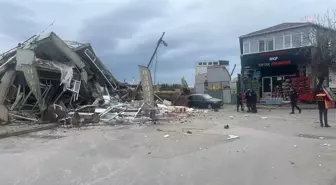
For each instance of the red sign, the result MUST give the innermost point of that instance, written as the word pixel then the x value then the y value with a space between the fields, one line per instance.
pixel 274 53
pixel 279 63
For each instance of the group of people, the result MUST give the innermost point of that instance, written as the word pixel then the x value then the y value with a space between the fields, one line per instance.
pixel 251 101
pixel 321 98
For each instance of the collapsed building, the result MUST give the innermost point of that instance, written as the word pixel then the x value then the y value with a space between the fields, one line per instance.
pixel 45 76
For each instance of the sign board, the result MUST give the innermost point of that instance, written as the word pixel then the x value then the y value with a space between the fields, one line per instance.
pixel 277 58
pixel 147 88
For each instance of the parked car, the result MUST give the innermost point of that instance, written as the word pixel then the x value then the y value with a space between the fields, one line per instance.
pixel 204 101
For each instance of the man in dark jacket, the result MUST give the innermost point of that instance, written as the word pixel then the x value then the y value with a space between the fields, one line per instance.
pixel 253 101
pixel 248 97
pixel 240 102
pixel 322 103
pixel 294 95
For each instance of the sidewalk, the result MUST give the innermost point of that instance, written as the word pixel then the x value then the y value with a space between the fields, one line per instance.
pixel 17 129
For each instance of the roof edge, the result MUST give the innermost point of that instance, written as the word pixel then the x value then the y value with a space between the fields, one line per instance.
pixel 273 31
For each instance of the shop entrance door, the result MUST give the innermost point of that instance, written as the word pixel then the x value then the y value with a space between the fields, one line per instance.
pixel 267 87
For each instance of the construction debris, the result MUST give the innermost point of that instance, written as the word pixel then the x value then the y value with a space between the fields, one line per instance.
pixel 46 79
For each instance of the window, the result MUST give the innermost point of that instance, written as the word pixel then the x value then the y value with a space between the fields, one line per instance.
pixel 279 42
pixel 206 96
pixel 270 46
pixel 254 46
pixel 223 62
pixel 261 45
pixel 287 41
pixel 215 63
pixel 210 63
pixel 246 47
pixel 200 63
pixel 204 63
pixel 306 39
pixel 296 40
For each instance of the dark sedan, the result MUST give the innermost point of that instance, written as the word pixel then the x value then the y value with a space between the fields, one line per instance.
pixel 204 101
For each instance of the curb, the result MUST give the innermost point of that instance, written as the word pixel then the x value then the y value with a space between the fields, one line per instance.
pixel 285 107
pixel 22 132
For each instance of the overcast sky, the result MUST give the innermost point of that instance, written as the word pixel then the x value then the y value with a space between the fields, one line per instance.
pixel 124 32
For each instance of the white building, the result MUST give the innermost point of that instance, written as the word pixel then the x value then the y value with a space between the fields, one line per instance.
pixel 202 66
pixel 212 77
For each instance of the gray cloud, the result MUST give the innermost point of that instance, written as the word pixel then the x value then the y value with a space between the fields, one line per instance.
pixel 17 21
pixel 124 33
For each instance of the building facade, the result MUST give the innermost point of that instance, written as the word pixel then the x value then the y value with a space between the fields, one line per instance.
pixel 277 58
pixel 213 78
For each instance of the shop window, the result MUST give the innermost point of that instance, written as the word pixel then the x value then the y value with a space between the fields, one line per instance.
pixel 279 42
pixel 297 40
pixel 261 45
pixel 287 41
pixel 270 45
pixel 215 63
pixel 210 63
pixel 200 63
pixel 204 63
pixel 246 47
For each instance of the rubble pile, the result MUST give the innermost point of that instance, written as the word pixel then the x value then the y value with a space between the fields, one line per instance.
pixel 46 79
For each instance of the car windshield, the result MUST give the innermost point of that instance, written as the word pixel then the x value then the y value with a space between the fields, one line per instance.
pixel 206 96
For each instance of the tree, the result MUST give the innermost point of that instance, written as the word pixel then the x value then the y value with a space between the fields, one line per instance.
pixel 323 38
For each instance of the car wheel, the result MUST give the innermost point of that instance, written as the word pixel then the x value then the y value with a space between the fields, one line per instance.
pixel 209 106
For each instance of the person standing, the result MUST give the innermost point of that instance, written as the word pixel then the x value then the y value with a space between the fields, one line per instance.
pixel 253 101
pixel 322 103
pixel 240 102
pixel 294 95
pixel 248 97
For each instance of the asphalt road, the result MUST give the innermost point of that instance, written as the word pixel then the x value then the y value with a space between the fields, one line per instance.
pixel 274 148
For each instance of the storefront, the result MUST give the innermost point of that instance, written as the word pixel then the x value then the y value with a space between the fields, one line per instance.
pixel 275 72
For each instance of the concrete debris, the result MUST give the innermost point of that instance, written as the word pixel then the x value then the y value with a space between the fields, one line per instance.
pixel 295 146
pixel 321 138
pixel 232 137
pixel 226 126
pixel 264 117
pixel 189 132
pixel 165 136
pixel 46 79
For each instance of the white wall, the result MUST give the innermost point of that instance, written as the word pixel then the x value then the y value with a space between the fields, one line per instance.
pixel 253 42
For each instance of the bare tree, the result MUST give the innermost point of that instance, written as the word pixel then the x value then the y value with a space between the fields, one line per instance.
pixel 323 38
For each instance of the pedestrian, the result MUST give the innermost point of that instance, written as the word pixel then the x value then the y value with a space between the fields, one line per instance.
pixel 240 102
pixel 248 97
pixel 322 102
pixel 294 95
pixel 253 101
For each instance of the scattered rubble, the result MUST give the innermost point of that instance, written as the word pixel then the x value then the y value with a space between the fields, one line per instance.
pixel 47 80
pixel 232 137
pixel 226 126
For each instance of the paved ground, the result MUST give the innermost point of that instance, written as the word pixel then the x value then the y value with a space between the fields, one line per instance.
pixel 280 149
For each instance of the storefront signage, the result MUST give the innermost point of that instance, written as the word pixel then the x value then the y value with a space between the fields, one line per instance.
pixel 273 58
pixel 285 57
pixel 279 63
pixel 264 64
